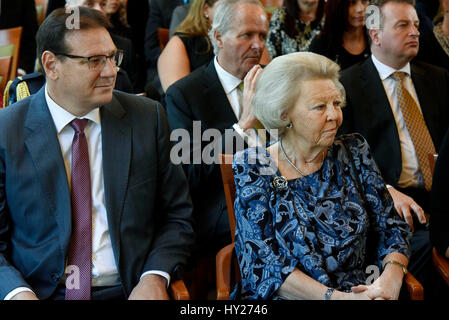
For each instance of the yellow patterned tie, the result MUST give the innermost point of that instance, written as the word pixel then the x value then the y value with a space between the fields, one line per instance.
pixel 416 126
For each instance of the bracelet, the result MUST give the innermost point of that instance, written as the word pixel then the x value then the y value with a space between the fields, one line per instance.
pixel 328 294
pixel 404 268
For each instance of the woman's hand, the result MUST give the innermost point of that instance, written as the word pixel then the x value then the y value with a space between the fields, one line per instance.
pixel 384 288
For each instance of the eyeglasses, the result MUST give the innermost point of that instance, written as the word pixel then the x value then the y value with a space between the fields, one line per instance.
pixel 97 62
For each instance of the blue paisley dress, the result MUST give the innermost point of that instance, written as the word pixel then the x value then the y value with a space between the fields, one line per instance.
pixel 317 223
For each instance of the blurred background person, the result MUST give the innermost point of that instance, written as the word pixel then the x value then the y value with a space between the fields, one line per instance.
pixel 178 16
pixel 190 46
pixel 304 226
pixel 434 46
pixel 344 38
pixel 293 26
pixel 117 15
pixel 159 17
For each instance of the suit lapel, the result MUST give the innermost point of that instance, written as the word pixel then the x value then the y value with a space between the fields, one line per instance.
pixel 375 92
pixel 117 148
pixel 222 115
pixel 43 146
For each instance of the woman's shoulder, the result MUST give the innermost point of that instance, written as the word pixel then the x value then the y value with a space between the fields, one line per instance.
pixel 354 141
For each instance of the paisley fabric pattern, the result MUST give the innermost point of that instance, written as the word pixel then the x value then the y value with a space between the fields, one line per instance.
pixel 279 42
pixel 317 223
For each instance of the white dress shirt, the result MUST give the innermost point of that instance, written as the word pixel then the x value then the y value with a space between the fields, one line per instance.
pixel 104 269
pixel 411 175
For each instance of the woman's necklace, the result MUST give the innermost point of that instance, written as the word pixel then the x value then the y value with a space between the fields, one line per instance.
pixel 289 161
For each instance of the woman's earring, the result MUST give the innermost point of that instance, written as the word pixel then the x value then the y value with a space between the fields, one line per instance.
pixel 289 126
pixel 206 16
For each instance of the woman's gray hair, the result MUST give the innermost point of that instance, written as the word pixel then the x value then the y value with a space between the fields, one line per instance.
pixel 224 17
pixel 280 83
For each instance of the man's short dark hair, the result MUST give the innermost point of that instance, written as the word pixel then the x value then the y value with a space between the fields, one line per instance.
pixel 53 31
pixel 381 3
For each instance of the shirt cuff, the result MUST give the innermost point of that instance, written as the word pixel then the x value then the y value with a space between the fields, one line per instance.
pixel 18 290
pixel 159 273
pixel 388 186
pixel 250 136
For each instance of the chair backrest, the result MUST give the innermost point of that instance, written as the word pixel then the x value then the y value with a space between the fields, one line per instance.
pixel 229 188
pixel 163 36
pixel 12 36
pixel 5 67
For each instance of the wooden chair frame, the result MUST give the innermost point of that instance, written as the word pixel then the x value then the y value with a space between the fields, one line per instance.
pixel 5 68
pixel 163 35
pixel 12 36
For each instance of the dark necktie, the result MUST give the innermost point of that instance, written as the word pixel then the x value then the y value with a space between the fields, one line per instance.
pixel 417 128
pixel 80 251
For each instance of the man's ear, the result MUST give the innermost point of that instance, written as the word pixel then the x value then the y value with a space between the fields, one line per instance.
pixel 374 35
pixel 49 64
pixel 218 39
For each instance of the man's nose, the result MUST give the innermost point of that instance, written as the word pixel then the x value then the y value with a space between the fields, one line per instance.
pixel 109 69
pixel 414 31
pixel 258 42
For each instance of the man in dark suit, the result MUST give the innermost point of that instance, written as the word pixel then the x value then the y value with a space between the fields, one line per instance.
pixel 159 17
pixel 382 92
pixel 210 99
pixel 110 186
pixel 21 13
pixel 129 63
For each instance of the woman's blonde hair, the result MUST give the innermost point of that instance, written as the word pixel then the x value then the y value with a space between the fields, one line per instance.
pixel 195 23
pixel 279 85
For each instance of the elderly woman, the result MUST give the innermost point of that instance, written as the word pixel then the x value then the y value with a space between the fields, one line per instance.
pixel 312 211
pixel 190 46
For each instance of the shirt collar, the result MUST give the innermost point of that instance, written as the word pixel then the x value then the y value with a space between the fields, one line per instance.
pixel 228 81
pixel 62 117
pixel 386 71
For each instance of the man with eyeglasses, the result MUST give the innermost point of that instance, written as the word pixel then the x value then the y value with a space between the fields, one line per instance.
pixel 130 61
pixel 91 206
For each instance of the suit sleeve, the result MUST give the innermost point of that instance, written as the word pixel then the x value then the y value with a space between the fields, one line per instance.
pixel 175 236
pixel 10 277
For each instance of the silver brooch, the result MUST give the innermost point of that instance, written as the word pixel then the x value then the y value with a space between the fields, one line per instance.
pixel 280 182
